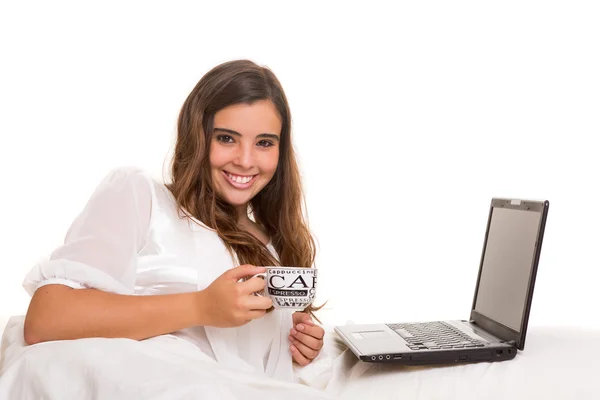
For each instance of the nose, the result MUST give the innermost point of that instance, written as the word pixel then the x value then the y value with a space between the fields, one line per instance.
pixel 244 157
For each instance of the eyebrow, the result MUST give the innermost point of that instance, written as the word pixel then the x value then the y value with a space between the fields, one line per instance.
pixel 262 135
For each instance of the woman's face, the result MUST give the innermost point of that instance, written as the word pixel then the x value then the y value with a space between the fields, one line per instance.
pixel 244 150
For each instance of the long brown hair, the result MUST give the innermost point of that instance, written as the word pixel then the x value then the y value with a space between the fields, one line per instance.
pixel 278 207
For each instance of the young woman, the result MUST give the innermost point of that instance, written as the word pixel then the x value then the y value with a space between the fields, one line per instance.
pixel 145 259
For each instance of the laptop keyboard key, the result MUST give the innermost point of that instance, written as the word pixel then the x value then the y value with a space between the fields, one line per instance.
pixel 434 335
pixel 404 333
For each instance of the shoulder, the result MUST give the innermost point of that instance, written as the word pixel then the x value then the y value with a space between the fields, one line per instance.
pixel 121 201
pixel 140 185
pixel 125 184
pixel 127 175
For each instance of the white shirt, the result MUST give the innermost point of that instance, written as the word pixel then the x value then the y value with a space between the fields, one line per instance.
pixel 132 239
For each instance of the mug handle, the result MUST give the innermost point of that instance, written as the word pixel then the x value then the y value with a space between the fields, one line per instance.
pixel 262 275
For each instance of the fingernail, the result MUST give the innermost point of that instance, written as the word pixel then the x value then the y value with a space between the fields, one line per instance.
pixel 294 331
pixel 291 338
pixel 292 348
pixel 300 327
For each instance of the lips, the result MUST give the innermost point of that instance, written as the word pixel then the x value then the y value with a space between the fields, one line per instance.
pixel 240 181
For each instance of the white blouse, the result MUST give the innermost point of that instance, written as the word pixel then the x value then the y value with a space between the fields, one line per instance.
pixel 131 239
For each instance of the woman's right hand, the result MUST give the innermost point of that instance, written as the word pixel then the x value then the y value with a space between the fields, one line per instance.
pixel 229 302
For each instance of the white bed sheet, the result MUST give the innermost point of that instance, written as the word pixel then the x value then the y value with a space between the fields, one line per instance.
pixel 3 321
pixel 558 363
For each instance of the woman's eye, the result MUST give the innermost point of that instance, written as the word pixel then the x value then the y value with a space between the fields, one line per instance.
pixel 265 143
pixel 225 138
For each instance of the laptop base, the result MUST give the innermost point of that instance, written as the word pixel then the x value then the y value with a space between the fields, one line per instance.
pixel 383 343
pixel 441 358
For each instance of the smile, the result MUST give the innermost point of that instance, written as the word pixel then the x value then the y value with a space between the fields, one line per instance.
pixel 240 181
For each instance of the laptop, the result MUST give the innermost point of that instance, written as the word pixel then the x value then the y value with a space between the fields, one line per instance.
pixel 497 325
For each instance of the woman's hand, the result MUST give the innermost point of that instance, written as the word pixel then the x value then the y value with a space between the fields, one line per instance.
pixel 306 338
pixel 227 302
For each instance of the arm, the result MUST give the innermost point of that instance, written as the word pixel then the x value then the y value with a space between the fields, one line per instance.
pixel 58 312
pixel 86 287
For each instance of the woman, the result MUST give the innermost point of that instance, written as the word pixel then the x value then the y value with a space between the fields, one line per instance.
pixel 145 259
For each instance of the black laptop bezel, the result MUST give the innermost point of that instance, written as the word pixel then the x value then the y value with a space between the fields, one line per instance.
pixel 488 324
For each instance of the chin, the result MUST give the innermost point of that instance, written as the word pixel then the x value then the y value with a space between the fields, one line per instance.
pixel 236 201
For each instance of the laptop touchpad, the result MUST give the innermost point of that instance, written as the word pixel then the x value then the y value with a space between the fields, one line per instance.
pixel 369 334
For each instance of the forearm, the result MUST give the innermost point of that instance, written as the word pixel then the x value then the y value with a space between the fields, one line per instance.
pixel 57 312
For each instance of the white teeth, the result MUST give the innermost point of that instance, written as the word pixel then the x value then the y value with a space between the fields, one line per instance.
pixel 239 179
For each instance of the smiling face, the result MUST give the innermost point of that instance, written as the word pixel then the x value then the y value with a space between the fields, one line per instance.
pixel 244 151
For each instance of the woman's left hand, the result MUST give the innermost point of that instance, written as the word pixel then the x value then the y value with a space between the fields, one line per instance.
pixel 306 338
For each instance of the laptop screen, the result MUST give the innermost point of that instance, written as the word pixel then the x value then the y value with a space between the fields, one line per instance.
pixel 507 266
pixel 509 263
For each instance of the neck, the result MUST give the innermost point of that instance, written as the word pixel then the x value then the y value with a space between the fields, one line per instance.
pixel 242 214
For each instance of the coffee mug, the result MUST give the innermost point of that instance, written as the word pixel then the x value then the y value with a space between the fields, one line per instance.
pixel 289 288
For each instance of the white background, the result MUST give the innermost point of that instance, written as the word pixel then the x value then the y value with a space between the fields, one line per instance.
pixel 408 119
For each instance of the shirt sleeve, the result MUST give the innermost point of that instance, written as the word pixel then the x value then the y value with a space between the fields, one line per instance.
pixel 101 246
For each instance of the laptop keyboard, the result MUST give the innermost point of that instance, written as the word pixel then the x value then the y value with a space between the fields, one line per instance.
pixel 434 336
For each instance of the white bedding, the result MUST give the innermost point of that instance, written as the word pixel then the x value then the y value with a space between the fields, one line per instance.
pixel 3 321
pixel 558 363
